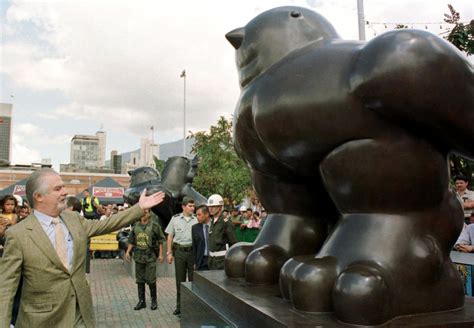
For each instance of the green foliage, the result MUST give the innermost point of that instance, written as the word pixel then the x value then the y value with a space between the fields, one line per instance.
pixel 461 36
pixel 220 170
pixel 460 166
pixel 159 164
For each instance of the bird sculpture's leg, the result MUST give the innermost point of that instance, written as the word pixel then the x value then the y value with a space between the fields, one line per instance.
pixel 300 214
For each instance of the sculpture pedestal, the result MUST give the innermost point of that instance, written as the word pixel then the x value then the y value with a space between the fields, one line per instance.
pixel 214 300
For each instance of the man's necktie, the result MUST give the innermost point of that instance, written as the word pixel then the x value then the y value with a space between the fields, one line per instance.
pixel 206 238
pixel 60 246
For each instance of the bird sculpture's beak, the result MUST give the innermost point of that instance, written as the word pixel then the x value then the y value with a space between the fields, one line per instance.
pixel 235 37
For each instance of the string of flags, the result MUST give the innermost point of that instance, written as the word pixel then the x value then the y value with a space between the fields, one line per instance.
pixel 445 27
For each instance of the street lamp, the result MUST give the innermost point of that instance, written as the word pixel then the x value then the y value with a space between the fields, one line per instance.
pixel 361 19
pixel 183 75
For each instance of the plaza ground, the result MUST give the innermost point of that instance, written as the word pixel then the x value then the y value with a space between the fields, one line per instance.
pixel 114 293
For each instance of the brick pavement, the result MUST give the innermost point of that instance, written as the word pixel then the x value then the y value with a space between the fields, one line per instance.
pixel 114 294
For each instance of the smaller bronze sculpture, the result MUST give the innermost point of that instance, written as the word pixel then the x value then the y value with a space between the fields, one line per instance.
pixel 175 182
pixel 348 143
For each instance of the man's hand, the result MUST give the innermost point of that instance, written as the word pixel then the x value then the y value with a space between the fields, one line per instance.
pixel 465 248
pixel 127 257
pixel 147 202
pixel 161 259
pixel 468 204
pixel 170 258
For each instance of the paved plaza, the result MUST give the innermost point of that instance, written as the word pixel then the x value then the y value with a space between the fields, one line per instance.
pixel 114 293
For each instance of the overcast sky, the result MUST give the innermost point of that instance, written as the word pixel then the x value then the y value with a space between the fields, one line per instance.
pixel 70 67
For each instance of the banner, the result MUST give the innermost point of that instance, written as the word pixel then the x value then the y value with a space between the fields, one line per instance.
pixel 108 192
pixel 19 190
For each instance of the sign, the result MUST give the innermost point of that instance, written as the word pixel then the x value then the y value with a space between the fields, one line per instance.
pixel 465 270
pixel 107 192
pixel 19 190
pixel 464 263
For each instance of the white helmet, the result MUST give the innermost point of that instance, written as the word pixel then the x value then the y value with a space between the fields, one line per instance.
pixel 215 200
pixel 19 200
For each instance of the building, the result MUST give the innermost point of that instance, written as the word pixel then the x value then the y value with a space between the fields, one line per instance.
pixel 87 152
pixel 74 168
pixel 133 162
pixel 74 182
pixel 102 136
pixel 6 132
pixel 148 150
pixel 116 162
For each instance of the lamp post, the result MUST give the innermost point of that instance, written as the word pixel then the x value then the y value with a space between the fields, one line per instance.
pixel 361 19
pixel 183 75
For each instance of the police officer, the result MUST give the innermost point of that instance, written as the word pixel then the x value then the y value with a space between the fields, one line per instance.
pixel 221 233
pixel 179 246
pixel 90 206
pixel 146 239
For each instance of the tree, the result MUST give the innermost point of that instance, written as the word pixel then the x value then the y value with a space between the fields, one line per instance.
pixel 220 170
pixel 159 164
pixel 461 36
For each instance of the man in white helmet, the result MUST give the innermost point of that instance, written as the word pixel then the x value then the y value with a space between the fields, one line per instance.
pixel 221 233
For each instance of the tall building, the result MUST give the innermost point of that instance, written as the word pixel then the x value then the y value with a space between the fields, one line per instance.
pixel 6 132
pixel 148 149
pixel 112 154
pixel 117 164
pixel 102 137
pixel 88 152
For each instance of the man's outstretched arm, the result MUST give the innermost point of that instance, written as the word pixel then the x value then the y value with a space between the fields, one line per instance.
pixel 122 219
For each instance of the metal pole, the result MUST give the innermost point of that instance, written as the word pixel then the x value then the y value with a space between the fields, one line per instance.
pixel 183 75
pixel 152 144
pixel 361 19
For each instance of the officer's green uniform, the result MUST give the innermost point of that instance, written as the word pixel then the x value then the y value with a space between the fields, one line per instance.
pixel 146 239
pixel 221 237
pixel 180 228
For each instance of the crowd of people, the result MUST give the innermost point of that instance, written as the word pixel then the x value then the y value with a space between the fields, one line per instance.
pixel 12 211
pixel 50 245
pixel 465 242
pixel 196 239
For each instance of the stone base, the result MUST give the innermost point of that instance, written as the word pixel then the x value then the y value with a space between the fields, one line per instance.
pixel 213 300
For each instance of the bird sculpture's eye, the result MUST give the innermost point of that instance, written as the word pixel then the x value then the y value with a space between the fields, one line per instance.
pixel 295 14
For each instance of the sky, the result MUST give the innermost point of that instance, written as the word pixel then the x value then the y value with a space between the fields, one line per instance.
pixel 75 67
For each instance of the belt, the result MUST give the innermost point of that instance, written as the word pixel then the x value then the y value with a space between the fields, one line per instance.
pixel 184 248
pixel 217 254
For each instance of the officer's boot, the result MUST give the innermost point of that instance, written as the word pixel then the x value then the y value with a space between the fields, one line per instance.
pixel 154 304
pixel 141 297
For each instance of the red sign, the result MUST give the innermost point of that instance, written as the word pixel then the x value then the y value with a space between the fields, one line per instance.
pixel 19 190
pixel 103 192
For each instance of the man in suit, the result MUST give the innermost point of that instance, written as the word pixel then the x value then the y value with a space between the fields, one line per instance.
pixel 48 250
pixel 200 236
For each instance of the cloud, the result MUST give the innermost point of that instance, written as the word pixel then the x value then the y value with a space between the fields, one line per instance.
pixel 28 139
pixel 118 62
pixel 127 59
pixel 23 154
